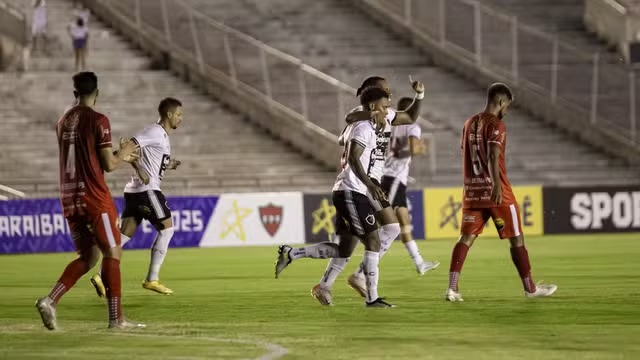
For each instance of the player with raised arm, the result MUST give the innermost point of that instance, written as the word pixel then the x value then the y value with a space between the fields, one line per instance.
pixel 84 142
pixel 385 215
pixel 405 143
pixel 355 214
pixel 487 192
pixel 143 197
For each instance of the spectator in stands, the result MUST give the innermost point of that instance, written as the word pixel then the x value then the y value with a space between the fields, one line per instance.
pixel 79 32
pixel 38 22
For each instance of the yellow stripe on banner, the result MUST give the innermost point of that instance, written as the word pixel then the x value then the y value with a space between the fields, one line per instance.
pixel 443 212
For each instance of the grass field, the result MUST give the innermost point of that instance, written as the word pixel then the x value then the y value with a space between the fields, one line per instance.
pixel 227 305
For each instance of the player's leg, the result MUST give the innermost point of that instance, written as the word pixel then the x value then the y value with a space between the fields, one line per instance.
pixel 322 291
pixel 422 266
pixel 473 221
pixel 160 217
pixel 508 224
pixel 108 240
pixel 131 218
pixel 370 262
pixel 88 255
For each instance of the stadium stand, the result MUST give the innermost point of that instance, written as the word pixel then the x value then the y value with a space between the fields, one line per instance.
pixel 220 150
pixel 354 47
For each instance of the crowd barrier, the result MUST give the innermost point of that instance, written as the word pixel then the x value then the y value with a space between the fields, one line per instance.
pixel 37 225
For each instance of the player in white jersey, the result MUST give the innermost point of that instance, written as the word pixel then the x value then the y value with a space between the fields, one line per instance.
pixel 142 195
pixel 355 213
pixel 386 217
pixel 404 144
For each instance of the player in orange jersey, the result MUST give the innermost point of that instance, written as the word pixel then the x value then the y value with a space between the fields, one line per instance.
pixel 487 192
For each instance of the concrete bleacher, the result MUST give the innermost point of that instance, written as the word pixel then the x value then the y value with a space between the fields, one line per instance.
pixel 336 38
pixel 220 150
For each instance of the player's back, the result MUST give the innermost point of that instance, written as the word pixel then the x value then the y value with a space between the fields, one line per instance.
pixel 479 131
pixel 364 134
pixel 82 133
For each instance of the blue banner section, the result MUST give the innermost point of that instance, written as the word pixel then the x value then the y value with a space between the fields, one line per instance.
pixel 415 203
pixel 32 226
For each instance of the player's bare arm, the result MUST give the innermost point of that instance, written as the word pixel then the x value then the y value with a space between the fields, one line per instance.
pixel 173 164
pixel 144 177
pixel 417 146
pixel 411 114
pixel 111 160
pixel 353 158
pixel 494 172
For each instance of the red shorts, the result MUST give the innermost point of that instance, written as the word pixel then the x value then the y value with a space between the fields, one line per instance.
pixel 505 218
pixel 95 228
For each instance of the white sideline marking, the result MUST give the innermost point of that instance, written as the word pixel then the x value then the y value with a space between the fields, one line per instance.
pixel 275 351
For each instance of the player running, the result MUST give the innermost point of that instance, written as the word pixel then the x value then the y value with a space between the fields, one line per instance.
pixel 355 211
pixel 487 192
pixel 84 142
pixel 404 145
pixel 142 195
pixel 385 215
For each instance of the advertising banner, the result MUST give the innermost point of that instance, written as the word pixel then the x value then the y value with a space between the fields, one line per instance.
pixel 319 216
pixel 31 226
pixel 256 219
pixel 591 210
pixel 443 212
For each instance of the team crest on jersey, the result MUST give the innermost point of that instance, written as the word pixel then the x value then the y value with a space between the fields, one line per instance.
pixel 271 218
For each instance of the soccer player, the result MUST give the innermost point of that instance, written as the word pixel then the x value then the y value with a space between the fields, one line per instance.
pixel 405 143
pixel 143 197
pixel 84 142
pixel 355 212
pixel 487 192
pixel 385 215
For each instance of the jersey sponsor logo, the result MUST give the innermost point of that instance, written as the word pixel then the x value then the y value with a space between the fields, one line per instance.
pixel 271 218
pixel 604 210
pixel 164 164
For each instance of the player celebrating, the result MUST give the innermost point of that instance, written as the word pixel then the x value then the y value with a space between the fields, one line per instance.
pixel 84 141
pixel 355 212
pixel 487 192
pixel 405 143
pixel 143 197
pixel 385 215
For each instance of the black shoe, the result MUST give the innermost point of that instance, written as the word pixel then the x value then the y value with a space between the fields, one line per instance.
pixel 283 259
pixel 379 303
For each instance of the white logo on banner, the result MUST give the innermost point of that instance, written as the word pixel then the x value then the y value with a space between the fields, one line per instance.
pixel 256 219
pixel 589 210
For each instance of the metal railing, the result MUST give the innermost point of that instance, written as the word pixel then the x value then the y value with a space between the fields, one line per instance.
pixel 12 193
pixel 278 77
pixel 499 44
pixel 13 23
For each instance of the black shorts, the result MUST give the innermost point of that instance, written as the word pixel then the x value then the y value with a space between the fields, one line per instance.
pixel 395 190
pixel 354 213
pixel 150 205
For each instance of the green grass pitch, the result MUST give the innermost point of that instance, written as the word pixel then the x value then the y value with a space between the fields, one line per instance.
pixel 227 305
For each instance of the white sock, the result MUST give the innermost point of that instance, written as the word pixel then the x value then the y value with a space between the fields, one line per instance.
pixel 387 234
pixel 124 239
pixel 414 252
pixel 334 268
pixel 323 250
pixel 158 252
pixel 371 273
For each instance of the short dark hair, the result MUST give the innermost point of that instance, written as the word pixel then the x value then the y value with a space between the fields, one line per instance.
pixel 85 83
pixel 168 104
pixel 404 103
pixel 497 90
pixel 370 81
pixel 372 94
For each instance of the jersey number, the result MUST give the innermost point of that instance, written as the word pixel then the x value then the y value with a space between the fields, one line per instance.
pixel 475 159
pixel 70 166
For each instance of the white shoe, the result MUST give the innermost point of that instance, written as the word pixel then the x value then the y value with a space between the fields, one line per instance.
pixel 427 266
pixel 542 290
pixel 359 284
pixel 124 324
pixel 47 311
pixel 322 295
pixel 453 296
